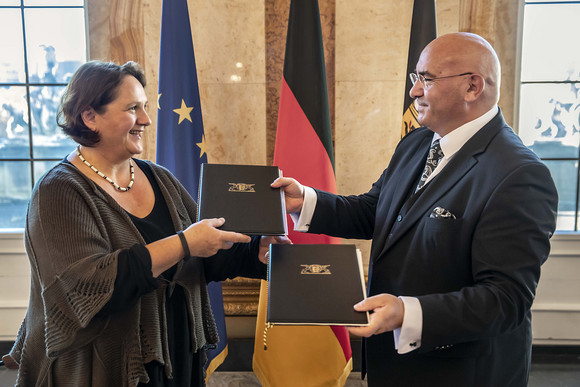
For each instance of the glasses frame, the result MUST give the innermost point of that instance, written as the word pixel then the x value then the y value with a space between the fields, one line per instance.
pixel 421 78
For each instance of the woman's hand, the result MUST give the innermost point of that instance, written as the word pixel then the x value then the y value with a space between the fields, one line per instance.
pixel 293 193
pixel 204 239
pixel 265 242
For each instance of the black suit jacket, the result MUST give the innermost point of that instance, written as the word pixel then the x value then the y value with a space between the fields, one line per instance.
pixel 475 276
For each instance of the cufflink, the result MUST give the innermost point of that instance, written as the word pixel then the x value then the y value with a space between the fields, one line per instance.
pixel 413 344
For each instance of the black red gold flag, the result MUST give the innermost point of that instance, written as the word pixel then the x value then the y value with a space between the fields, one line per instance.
pixel 303 355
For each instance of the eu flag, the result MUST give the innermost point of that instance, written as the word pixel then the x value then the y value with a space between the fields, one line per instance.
pixel 180 136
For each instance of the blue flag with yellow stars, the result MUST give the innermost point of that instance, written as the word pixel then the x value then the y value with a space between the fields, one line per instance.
pixel 180 136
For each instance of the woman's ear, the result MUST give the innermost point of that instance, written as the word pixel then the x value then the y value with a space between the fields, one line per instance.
pixel 475 88
pixel 89 118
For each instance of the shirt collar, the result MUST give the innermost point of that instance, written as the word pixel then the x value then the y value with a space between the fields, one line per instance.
pixel 454 140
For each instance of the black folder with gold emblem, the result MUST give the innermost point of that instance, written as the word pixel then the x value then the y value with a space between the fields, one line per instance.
pixel 315 285
pixel 242 195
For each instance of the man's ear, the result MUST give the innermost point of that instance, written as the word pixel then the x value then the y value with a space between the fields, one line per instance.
pixel 475 88
pixel 89 118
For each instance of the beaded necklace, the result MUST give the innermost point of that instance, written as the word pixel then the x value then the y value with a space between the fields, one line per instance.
pixel 117 186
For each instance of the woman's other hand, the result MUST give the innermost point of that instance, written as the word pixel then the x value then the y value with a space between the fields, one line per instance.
pixel 265 242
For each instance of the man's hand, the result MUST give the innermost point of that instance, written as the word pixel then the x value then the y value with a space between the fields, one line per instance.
pixel 265 242
pixel 386 314
pixel 293 192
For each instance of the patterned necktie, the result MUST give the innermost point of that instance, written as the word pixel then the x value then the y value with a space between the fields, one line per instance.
pixel 435 155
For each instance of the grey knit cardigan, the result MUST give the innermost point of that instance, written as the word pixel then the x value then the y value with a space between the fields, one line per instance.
pixel 74 233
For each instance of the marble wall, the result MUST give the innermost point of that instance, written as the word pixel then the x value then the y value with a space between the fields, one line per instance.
pixel 239 49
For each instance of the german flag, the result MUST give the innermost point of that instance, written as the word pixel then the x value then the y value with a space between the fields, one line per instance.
pixel 423 31
pixel 303 355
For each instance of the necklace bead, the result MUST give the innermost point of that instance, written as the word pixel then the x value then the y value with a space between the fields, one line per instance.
pixel 117 186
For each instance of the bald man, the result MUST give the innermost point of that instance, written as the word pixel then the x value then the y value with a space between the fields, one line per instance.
pixel 458 240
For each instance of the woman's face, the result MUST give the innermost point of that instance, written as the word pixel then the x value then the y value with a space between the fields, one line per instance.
pixel 124 120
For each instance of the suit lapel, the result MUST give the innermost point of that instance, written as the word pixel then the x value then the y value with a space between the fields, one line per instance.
pixel 431 194
pixel 398 186
pixel 406 179
pixel 463 161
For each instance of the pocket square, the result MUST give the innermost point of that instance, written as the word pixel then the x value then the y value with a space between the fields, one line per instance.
pixel 439 212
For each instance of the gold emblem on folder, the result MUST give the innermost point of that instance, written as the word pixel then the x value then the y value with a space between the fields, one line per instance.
pixel 315 269
pixel 241 187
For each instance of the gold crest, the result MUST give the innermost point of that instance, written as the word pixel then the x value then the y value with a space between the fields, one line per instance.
pixel 315 269
pixel 241 187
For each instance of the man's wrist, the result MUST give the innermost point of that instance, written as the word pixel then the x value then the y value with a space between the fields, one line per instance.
pixel 302 219
pixel 408 337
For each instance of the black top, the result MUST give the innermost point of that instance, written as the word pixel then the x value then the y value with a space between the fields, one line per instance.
pixel 134 278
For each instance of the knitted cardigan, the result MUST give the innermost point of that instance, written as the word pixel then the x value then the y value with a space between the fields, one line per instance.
pixel 74 233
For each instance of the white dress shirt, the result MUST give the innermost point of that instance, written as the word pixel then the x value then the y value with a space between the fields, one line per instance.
pixel 408 337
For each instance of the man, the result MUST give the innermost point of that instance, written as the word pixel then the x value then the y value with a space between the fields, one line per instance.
pixel 457 243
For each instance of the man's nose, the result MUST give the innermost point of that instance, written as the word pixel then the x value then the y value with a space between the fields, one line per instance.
pixel 416 90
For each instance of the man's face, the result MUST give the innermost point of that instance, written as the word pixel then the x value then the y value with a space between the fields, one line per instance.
pixel 439 102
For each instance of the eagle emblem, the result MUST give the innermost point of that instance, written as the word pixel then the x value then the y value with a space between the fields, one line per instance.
pixel 241 187
pixel 315 269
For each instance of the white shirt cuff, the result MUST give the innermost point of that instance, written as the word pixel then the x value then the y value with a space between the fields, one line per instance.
pixel 408 337
pixel 302 219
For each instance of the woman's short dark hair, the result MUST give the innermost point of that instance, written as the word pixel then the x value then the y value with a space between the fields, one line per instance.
pixel 93 85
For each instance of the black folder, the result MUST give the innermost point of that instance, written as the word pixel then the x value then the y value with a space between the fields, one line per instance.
pixel 242 195
pixel 315 285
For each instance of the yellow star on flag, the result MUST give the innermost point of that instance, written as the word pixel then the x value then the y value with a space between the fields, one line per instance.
pixel 201 146
pixel 184 112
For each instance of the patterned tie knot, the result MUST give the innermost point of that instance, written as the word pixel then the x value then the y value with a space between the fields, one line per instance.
pixel 435 155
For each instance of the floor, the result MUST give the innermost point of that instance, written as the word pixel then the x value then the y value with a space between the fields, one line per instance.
pixel 547 375
pixel 542 375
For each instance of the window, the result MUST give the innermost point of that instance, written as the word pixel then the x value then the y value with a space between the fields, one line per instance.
pixel 42 43
pixel 549 111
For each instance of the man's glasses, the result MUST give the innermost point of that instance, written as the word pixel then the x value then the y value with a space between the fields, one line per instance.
pixel 425 81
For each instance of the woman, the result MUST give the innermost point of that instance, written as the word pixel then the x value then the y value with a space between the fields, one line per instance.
pixel 118 291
